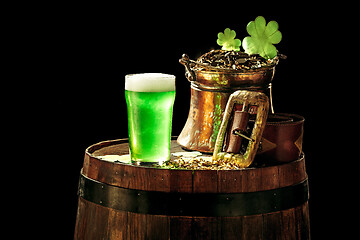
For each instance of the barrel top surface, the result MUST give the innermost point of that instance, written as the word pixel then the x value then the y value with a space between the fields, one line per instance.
pixel 181 180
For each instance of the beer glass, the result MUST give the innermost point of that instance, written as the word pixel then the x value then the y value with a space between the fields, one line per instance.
pixel 150 99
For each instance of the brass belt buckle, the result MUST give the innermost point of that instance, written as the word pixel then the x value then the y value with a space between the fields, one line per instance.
pixel 249 100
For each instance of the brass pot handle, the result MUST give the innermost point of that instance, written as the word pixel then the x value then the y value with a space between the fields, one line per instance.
pixel 189 74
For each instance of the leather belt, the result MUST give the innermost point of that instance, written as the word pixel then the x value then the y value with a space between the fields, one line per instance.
pixel 281 139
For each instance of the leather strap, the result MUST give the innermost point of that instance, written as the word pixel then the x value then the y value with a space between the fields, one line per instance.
pixel 239 123
pixel 281 139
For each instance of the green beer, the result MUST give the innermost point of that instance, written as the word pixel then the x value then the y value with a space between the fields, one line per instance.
pixel 150 99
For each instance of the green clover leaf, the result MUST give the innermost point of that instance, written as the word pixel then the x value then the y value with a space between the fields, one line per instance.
pixel 227 40
pixel 262 38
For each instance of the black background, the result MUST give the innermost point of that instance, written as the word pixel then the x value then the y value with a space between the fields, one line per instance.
pixel 85 51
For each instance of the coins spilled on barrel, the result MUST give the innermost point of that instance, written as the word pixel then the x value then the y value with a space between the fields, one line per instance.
pixel 196 161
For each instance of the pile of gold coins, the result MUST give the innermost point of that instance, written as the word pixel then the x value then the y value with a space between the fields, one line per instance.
pixel 194 162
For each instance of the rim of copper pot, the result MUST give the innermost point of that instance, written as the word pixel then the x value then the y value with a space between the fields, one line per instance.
pixel 251 79
pixel 258 78
pixel 236 71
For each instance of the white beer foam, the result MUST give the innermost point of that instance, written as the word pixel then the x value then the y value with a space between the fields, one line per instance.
pixel 150 82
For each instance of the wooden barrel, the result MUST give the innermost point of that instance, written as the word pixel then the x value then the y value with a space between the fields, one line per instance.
pixel 122 201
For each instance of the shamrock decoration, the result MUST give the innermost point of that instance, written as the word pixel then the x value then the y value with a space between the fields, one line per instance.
pixel 227 40
pixel 262 38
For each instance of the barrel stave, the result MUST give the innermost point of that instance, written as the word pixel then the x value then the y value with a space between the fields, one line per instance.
pixel 95 221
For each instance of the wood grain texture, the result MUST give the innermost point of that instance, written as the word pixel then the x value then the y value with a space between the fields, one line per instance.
pixel 153 179
pixel 98 222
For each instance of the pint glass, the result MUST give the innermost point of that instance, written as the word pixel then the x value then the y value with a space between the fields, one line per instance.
pixel 150 99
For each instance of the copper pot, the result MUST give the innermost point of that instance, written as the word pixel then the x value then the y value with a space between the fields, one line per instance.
pixel 210 90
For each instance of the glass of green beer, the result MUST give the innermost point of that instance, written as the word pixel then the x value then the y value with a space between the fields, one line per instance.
pixel 150 98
